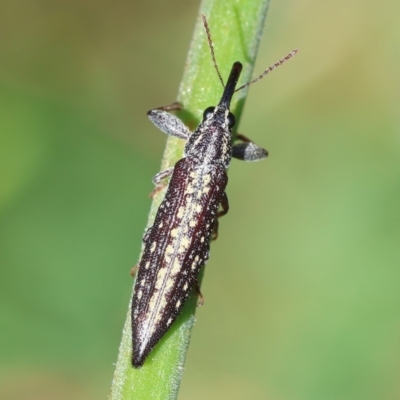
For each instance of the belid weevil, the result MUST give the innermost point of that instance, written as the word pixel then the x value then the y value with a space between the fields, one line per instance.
pixel 177 245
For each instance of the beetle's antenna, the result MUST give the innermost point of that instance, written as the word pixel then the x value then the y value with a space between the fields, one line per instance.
pixel 210 43
pixel 271 68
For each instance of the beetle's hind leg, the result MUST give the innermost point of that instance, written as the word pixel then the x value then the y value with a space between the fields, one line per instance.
pixel 198 292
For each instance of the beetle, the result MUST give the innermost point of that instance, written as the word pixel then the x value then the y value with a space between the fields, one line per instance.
pixel 178 243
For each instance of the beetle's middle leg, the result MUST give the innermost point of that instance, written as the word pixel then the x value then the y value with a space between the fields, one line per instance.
pixel 158 178
pixel 248 150
pixel 221 213
pixel 198 292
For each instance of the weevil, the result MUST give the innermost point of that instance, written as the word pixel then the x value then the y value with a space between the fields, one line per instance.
pixel 178 243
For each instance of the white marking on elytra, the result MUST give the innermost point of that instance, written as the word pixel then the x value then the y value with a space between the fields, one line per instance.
pixel 153 247
pixel 184 244
pixel 181 211
pixel 174 232
pixel 163 303
pixel 189 199
pixel 207 179
pixel 189 189
pixel 194 263
pixel 152 304
pixel 169 284
pixel 169 249
pixel 176 267
pixel 160 278
pixel 157 319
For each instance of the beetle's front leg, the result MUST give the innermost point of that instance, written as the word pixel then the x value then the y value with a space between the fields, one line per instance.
pixel 169 123
pixel 248 150
pixel 224 211
pixel 175 106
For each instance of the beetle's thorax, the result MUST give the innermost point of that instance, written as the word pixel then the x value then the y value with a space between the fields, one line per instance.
pixel 210 143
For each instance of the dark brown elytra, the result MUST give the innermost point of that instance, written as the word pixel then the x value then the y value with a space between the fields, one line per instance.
pixel 177 245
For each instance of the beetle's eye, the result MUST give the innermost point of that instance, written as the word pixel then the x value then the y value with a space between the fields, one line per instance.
pixel 231 120
pixel 207 112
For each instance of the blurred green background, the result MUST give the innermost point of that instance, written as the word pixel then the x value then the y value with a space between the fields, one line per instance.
pixel 302 288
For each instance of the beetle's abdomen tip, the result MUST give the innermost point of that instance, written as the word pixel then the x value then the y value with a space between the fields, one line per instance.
pixel 137 363
pixel 142 348
pixel 138 360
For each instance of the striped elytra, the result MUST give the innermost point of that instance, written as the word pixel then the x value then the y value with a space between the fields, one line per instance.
pixel 175 249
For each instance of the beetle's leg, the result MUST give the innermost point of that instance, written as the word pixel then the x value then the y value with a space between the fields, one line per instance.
pixel 224 205
pixel 248 150
pixel 175 106
pixel 198 292
pixel 243 138
pixel 169 123
pixel 146 234
pixel 158 178
pixel 134 270
pixel 225 209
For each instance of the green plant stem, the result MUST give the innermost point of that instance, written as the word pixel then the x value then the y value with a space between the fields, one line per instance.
pixel 236 28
